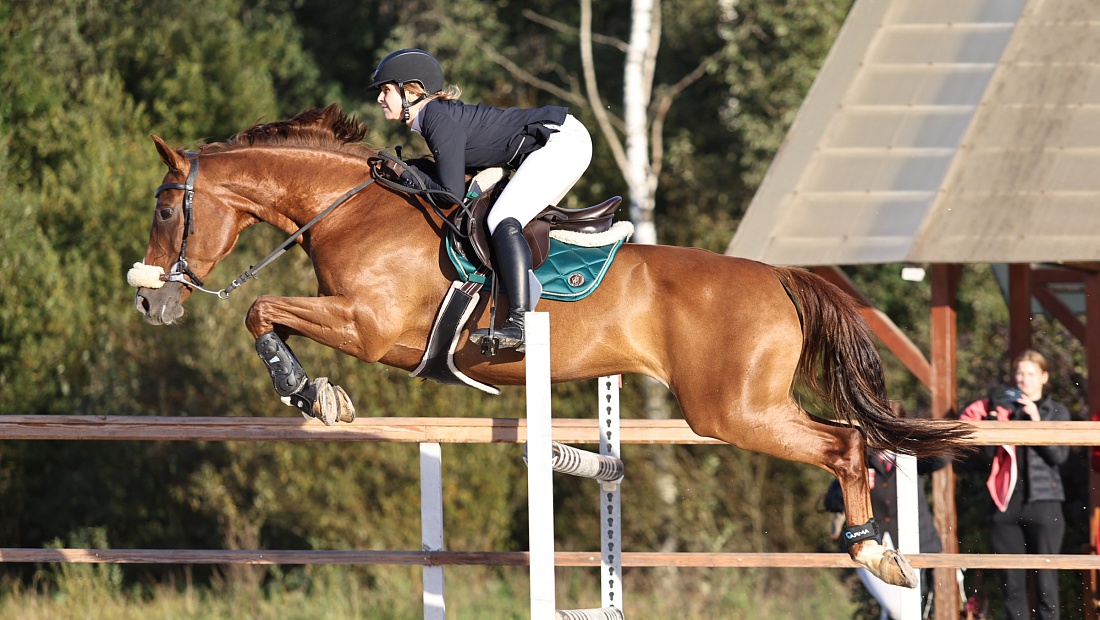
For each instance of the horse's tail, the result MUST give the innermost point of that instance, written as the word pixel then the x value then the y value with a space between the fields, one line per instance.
pixel 840 364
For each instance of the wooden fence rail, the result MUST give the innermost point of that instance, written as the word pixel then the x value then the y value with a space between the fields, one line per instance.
pixel 481 430
pixel 445 430
pixel 636 559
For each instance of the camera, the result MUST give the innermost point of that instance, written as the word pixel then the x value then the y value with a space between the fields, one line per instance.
pixel 1008 397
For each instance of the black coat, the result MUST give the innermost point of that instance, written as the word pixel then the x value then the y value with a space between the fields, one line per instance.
pixel 884 501
pixel 1039 466
pixel 462 136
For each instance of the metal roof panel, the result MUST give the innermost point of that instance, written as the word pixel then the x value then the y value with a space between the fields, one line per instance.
pixel 942 131
pixel 889 128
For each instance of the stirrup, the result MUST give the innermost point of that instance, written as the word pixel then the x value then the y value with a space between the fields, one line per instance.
pixel 503 337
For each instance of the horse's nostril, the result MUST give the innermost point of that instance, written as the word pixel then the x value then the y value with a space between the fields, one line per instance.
pixel 141 304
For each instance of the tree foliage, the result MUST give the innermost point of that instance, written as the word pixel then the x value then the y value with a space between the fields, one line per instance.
pixel 84 83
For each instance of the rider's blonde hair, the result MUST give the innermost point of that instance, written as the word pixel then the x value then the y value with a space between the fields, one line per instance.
pixel 450 92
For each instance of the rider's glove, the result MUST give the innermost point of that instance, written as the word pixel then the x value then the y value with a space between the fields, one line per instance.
pixel 390 169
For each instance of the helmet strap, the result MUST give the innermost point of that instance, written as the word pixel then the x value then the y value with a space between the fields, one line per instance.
pixel 406 104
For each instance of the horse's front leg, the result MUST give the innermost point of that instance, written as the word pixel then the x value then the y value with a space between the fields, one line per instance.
pixel 326 320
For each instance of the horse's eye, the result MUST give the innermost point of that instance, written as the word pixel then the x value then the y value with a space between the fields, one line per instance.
pixel 165 213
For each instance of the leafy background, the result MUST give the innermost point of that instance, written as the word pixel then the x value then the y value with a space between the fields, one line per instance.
pixel 82 86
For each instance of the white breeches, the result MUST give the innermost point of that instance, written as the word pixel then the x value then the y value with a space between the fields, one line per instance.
pixel 545 176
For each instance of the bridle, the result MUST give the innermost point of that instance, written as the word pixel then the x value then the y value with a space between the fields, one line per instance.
pixel 180 272
pixel 180 269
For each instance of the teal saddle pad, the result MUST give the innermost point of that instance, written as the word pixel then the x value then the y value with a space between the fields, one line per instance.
pixel 570 273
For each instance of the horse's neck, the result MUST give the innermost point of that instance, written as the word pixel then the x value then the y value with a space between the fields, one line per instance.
pixel 288 187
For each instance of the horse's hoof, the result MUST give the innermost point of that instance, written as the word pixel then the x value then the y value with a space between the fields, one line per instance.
pixel 346 412
pixel 326 407
pixel 894 569
pixel 333 403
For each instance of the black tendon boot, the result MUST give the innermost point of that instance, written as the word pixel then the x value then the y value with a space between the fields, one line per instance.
pixel 290 380
pixel 513 262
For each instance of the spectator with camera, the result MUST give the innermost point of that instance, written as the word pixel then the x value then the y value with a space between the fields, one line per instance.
pixel 1025 485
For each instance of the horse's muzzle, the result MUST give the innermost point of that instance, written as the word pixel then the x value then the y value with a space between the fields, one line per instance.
pixel 161 306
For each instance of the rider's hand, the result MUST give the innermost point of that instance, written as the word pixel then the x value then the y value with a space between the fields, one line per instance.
pixel 390 169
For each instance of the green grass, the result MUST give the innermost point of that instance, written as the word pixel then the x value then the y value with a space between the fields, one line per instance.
pixel 88 592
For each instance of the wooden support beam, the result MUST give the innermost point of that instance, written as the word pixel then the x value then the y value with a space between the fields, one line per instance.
pixel 887 331
pixel 1048 275
pixel 1053 305
pixel 1019 309
pixel 291 428
pixel 448 430
pixel 945 282
pixel 642 559
pixel 1092 338
pixel 1085 267
pixel 1092 360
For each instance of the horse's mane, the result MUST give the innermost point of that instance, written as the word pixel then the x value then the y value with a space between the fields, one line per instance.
pixel 328 128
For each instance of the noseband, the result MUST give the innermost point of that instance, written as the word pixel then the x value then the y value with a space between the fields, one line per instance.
pixel 180 272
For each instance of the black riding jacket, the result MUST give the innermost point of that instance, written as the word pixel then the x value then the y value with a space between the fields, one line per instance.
pixel 462 137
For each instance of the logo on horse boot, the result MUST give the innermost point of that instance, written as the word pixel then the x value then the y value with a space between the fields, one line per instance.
pixel 863 533
pixel 857 533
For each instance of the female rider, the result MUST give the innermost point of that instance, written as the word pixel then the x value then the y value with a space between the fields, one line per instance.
pixel 547 148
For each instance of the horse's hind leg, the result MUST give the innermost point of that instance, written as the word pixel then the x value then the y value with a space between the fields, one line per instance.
pixel 786 431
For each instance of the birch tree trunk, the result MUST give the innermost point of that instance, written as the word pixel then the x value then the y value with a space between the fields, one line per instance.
pixel 641 54
pixel 635 160
pixel 644 108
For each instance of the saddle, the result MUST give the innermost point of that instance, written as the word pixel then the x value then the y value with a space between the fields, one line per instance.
pixel 469 236
pixel 488 185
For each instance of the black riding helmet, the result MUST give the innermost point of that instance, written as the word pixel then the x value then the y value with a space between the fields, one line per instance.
pixel 409 65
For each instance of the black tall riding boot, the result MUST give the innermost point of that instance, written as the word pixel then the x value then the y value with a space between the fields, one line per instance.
pixel 513 264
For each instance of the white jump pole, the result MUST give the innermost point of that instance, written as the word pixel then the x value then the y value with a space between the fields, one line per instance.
pixel 431 527
pixel 540 476
pixel 908 528
pixel 544 457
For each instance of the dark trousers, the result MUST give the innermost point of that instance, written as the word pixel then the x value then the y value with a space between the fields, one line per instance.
pixel 1035 527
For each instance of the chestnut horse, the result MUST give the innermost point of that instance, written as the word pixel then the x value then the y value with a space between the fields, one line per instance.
pixel 728 336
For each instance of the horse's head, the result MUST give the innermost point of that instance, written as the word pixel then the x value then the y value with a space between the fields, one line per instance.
pixel 279 172
pixel 181 253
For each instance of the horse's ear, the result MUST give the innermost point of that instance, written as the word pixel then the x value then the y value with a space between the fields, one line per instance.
pixel 168 155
